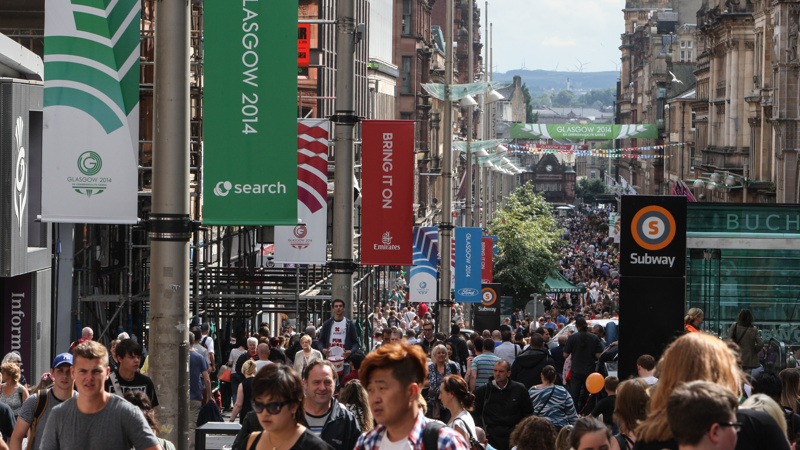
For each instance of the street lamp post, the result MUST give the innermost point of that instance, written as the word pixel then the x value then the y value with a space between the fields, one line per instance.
pixel 446 226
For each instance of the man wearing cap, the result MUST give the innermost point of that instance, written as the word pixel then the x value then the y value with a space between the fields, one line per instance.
pixel 62 389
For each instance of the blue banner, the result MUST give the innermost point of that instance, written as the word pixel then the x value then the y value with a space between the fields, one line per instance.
pixel 468 264
pixel 422 282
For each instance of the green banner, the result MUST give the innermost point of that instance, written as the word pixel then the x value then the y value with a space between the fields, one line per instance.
pixel 588 131
pixel 250 113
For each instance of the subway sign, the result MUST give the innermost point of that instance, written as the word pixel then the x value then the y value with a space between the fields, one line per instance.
pixel 653 230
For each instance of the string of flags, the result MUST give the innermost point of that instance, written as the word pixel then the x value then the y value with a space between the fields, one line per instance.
pixel 628 152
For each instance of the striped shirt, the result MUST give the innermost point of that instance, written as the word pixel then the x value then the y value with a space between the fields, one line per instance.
pixel 483 368
pixel 557 408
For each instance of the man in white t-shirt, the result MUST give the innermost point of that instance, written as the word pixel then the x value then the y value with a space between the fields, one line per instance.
pixel 208 342
pixel 339 331
pixel 263 356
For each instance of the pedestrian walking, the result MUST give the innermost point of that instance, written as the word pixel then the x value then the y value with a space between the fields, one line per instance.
pixel 500 404
pixel 702 416
pixel 585 348
pixel 393 375
pixel 748 338
pixel 551 401
pixel 95 419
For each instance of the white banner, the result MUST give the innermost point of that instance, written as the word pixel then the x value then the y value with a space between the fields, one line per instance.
pixel 90 142
pixel 613 226
pixel 306 243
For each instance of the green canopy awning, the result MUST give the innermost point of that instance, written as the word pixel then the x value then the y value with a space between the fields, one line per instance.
pixel 555 283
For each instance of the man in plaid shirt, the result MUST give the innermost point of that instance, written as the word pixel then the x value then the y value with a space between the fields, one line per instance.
pixel 393 375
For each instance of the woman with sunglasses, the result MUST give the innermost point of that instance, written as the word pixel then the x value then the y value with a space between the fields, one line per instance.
pixel 278 402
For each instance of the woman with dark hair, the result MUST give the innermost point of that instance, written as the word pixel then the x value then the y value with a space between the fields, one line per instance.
pixel 790 400
pixel 142 401
pixel 629 409
pixel 590 433
pixel 354 397
pixel 278 403
pixel 534 433
pixel 748 338
pixel 457 398
pixel 552 402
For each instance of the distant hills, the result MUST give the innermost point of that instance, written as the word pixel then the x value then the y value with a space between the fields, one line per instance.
pixel 548 80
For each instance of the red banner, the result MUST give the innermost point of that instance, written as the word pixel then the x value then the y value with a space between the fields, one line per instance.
pixel 303 45
pixel 387 178
pixel 486 259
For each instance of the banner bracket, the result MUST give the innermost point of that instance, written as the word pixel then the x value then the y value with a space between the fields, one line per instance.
pixel 171 227
pixel 345 117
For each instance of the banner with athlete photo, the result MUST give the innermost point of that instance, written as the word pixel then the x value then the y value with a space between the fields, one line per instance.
pixel 306 243
pixel 387 175
pixel 90 142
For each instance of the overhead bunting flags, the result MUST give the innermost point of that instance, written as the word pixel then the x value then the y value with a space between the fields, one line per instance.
pixel 627 152
pixel 387 173
pixel 306 243
pixel 90 143
pixel 423 282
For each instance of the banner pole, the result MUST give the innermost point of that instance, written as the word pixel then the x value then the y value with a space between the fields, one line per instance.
pixel 345 119
pixel 170 226
pixel 446 226
pixel 468 216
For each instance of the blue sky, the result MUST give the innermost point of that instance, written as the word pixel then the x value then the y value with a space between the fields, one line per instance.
pixel 545 34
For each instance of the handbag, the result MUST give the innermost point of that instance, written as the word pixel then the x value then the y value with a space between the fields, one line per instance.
pixel 225 374
pixel 473 443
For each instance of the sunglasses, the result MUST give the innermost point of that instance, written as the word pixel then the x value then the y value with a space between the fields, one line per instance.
pixel 272 408
pixel 737 426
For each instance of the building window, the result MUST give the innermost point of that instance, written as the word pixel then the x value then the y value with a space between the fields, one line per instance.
pixel 593 174
pixel 405 82
pixel 689 44
pixel 405 116
pixel 406 16
pixel 683 44
pixel 693 119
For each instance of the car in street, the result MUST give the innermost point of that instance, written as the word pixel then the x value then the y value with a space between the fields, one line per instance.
pixel 570 328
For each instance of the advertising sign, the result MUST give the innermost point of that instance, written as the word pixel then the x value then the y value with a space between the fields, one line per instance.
pixel 306 242
pixel 653 236
pixel 582 131
pixel 486 259
pixel 250 111
pixel 91 112
pixel 17 297
pixel 468 274
pixel 387 187
pixel 303 44
pixel 423 282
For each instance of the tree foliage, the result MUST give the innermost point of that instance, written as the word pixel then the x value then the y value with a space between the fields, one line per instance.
pixel 588 189
pixel 529 116
pixel 596 98
pixel 527 240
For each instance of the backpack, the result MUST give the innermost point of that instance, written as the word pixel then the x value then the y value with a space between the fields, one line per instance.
pixel 41 405
pixel 430 434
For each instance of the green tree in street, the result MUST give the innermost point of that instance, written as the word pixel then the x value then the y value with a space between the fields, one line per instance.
pixel 588 189
pixel 527 240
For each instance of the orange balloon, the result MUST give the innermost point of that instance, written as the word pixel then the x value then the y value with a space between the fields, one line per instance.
pixel 595 383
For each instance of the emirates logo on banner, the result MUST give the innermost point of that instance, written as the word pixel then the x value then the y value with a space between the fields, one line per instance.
pixel 386 243
pixel 300 242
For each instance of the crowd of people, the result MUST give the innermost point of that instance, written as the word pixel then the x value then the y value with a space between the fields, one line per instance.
pixel 511 387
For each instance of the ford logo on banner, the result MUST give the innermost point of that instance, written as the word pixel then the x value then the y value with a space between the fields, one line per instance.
pixel 467 292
